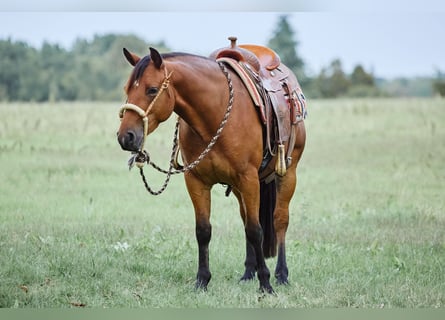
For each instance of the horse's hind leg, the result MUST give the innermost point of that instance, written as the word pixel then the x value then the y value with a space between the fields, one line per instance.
pixel 250 262
pixel 286 187
pixel 285 190
pixel 250 193
pixel 200 196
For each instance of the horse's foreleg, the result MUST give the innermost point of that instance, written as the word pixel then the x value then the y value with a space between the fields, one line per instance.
pixel 250 194
pixel 249 263
pixel 200 196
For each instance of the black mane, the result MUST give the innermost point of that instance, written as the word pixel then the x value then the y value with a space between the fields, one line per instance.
pixel 142 64
pixel 140 67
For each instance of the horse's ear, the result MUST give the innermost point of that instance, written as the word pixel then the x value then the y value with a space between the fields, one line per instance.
pixel 156 57
pixel 131 57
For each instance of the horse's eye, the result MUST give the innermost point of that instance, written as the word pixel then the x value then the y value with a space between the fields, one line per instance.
pixel 152 91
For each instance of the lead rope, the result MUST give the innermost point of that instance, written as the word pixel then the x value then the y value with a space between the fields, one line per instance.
pixel 143 156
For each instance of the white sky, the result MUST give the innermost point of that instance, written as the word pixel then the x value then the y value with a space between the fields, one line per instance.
pixel 403 42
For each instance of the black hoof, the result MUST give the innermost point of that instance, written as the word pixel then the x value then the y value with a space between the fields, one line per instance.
pixel 200 285
pixel 202 279
pixel 281 277
pixel 248 275
pixel 267 289
pixel 283 282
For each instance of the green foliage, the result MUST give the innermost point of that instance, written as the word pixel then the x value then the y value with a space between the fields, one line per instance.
pixel 439 87
pixel 439 83
pixel 285 44
pixel 332 81
pixel 95 70
pixel 407 87
pixel 16 59
pixel 78 229
pixel 91 70
pixel 362 84
pixel 359 77
pixel 362 91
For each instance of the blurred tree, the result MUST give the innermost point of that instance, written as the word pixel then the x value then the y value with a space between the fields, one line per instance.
pixel 285 44
pixel 55 63
pixel 332 81
pixel 16 63
pixel 439 83
pixel 360 77
pixel 439 87
pixel 96 70
pixel 362 84
pixel 406 87
pixel 101 67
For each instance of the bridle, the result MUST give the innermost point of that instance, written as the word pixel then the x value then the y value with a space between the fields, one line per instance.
pixel 141 157
pixel 144 113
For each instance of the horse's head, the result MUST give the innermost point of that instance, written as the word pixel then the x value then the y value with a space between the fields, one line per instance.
pixel 149 99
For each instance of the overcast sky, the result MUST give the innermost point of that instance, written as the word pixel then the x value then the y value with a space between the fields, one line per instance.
pixel 390 43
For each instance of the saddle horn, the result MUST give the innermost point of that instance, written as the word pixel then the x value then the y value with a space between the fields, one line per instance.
pixel 232 41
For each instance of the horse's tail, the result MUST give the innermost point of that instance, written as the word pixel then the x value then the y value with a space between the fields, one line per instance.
pixel 268 197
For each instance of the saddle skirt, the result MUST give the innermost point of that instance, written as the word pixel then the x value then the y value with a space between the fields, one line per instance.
pixel 273 87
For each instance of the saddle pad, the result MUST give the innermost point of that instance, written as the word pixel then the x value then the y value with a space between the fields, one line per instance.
pixel 250 86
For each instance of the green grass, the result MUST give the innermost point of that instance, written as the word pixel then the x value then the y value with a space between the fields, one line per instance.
pixel 367 221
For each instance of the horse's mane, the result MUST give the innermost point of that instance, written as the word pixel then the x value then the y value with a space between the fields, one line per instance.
pixel 142 64
pixel 139 69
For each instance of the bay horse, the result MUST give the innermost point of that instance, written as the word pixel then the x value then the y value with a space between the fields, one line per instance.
pixel 196 90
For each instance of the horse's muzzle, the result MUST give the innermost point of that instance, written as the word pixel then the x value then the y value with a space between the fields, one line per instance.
pixel 130 140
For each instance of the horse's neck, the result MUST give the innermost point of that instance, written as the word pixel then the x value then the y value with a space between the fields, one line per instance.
pixel 201 94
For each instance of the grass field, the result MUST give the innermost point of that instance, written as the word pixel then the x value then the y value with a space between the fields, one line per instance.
pixel 78 229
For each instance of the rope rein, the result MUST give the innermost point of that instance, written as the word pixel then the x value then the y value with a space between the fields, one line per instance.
pixel 143 156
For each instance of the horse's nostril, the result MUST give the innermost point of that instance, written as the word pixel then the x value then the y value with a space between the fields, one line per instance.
pixel 129 140
pixel 131 136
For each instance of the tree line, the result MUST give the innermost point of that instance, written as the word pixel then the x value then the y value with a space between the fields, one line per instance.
pixel 95 70
pixel 91 70
pixel 332 81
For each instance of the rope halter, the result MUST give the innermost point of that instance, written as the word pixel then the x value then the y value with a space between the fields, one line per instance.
pixel 144 113
pixel 141 157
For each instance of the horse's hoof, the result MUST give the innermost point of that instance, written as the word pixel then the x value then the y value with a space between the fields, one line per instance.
pixel 200 285
pixel 281 280
pixel 202 279
pixel 248 275
pixel 267 289
pixel 281 276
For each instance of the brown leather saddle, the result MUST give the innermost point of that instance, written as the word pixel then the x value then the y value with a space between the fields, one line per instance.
pixel 274 90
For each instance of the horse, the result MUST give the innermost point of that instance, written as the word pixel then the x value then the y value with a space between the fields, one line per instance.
pixel 200 91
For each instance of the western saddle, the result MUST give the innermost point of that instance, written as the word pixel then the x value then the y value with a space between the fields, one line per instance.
pixel 277 94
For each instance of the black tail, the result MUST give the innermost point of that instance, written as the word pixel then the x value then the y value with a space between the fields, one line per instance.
pixel 268 197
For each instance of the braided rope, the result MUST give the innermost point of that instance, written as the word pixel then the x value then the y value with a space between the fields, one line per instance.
pixel 171 171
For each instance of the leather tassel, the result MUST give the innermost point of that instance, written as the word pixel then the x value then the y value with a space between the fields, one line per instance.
pixel 280 166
